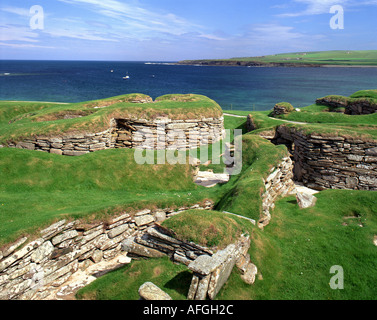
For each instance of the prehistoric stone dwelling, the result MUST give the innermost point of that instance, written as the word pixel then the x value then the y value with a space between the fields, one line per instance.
pixel 160 133
pixel 331 162
pixel 327 161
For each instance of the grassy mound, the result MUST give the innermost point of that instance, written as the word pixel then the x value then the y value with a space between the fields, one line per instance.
pixel 286 106
pixel 20 120
pixel 259 156
pixel 365 94
pixel 207 228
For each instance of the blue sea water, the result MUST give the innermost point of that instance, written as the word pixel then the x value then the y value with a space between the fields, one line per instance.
pixel 239 88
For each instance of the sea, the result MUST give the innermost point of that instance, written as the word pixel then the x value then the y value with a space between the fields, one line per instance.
pixel 233 88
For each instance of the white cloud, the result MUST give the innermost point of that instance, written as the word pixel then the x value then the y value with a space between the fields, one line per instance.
pixel 79 33
pixel 24 45
pixel 314 7
pixel 17 33
pixel 139 17
pixel 17 11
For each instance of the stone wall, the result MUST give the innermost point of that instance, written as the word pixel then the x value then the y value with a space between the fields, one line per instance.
pixel 69 144
pixel 165 133
pixel 331 162
pixel 161 133
pixel 278 184
pixel 351 106
pixel 34 269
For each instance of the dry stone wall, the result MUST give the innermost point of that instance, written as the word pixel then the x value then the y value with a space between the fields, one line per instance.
pixel 32 270
pixel 278 184
pixel 70 144
pixel 161 133
pixel 331 162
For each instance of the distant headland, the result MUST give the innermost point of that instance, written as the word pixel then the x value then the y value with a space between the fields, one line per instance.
pixel 337 58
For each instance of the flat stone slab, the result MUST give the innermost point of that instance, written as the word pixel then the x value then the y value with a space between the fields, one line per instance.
pixel 149 291
pixel 209 179
pixel 205 264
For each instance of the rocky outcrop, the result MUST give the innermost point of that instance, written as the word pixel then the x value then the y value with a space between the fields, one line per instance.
pixel 34 270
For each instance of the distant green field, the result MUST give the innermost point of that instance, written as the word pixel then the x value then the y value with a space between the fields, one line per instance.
pixel 336 58
pixel 364 57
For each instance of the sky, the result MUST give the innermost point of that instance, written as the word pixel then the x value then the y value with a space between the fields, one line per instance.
pixel 172 30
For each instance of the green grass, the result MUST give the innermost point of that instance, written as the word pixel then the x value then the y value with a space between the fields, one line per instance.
pixel 321 120
pixel 39 187
pixel 124 283
pixel 365 94
pixel 322 114
pixel 295 253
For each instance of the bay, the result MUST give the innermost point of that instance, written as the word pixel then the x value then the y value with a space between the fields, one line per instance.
pixel 237 88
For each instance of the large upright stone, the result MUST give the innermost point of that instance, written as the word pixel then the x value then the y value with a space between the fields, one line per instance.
pixel 305 200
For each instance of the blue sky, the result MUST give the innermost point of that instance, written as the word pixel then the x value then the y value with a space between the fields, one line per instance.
pixel 170 30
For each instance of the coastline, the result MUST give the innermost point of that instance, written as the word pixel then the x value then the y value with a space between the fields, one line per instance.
pixel 268 65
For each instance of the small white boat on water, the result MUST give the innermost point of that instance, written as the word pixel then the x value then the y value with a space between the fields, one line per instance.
pixel 127 76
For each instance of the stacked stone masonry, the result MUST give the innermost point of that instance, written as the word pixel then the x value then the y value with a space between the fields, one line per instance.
pixel 161 133
pixel 331 162
pixel 278 184
pixel 32 270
